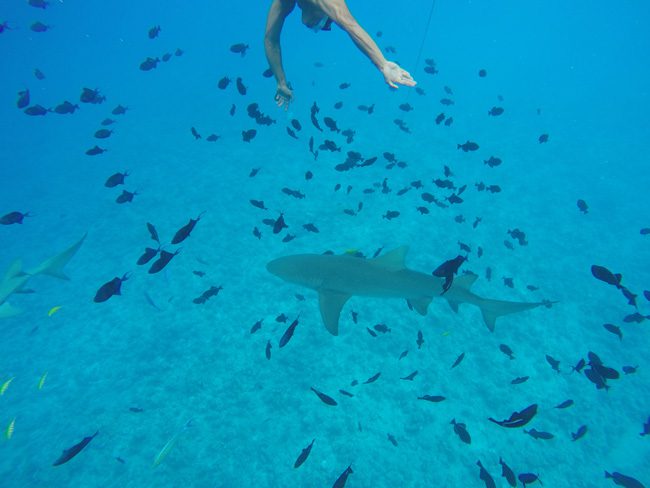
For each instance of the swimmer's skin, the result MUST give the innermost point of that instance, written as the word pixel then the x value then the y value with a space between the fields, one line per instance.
pixel 313 11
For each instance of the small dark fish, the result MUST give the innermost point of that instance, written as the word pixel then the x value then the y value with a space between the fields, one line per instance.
pixel 432 398
pixel 482 73
pixel 95 151
pixel 267 73
pixel 241 88
pixel 468 146
pixel 555 364
pixel 223 83
pixel 461 431
pixel 343 478
pixel 153 232
pixel 579 365
pixel 582 206
pixel 536 434
pixel 493 161
pixel 495 111
pixel 153 32
pixel 136 409
pixel 410 376
pixel 518 419
pixel 38 74
pixel 288 334
pixel 603 274
pixel 184 232
pixel 248 135
pixel 391 214
pixel 459 359
pixel 13 218
pixel 71 452
pixel 166 57
pixel 239 48
pixel 331 124
pixel 267 352
pixel 372 379
pixel 596 378
pixel 233 109
pixel 195 133
pixel 291 133
pixel 440 118
pixel 279 224
pixel 162 261
pixel 630 369
pixel 119 110
pixel 447 270
pixel 39 27
pixel 580 433
pixel 149 64
pixel 614 330
pixel 254 172
pixel 485 476
pixel 103 133
pixel 344 86
pixel 346 393
pixel 326 399
pixel 623 480
pixel 110 288
pixel 212 138
pixel 420 340
pixel 38 3
pixel 257 326
pixel 543 138
pixel 519 380
pixel 507 473
pixel 311 228
pixel 66 108
pixel 391 439
pixel 303 455
pixel 447 101
pixel 505 349
pixel 126 196
pixel 258 203
pixel 148 255
pixel 23 99
pixel 36 110
pixel 564 404
pixel 406 107
pixel 528 478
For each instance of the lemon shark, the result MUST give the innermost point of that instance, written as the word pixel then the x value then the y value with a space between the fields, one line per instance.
pixel 336 278
pixel 15 279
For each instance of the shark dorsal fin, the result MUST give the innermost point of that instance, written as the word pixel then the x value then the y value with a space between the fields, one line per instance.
pixel 392 260
pixel 465 281
pixel 331 304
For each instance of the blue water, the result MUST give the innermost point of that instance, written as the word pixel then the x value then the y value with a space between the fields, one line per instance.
pixel 583 65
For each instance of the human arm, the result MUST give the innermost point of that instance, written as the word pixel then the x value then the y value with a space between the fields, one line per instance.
pixel 279 11
pixel 338 11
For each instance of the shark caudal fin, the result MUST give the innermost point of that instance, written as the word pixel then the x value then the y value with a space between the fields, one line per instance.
pixel 490 309
pixel 54 265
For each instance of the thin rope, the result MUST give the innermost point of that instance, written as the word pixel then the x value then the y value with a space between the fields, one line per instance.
pixel 424 38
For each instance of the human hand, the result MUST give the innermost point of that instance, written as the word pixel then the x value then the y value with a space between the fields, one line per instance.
pixel 283 96
pixel 394 75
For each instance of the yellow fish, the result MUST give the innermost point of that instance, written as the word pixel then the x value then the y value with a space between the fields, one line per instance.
pixel 10 429
pixel 41 382
pixel 53 310
pixel 5 385
pixel 170 443
pixel 445 333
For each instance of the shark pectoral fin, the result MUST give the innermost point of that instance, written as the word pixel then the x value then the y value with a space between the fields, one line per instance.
pixel 453 304
pixel 14 269
pixel 331 304
pixel 489 318
pixel 421 305
pixel 393 260
pixel 7 310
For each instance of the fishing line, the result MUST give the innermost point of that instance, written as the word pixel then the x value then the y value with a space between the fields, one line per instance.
pixel 424 38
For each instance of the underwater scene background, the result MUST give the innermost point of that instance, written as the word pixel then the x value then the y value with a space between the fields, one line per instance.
pixel 180 389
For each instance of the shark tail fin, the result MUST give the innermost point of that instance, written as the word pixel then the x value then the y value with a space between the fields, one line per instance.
pixel 490 309
pixel 54 266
